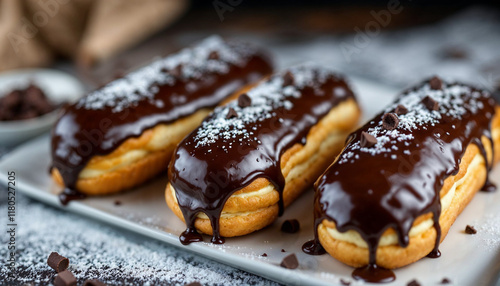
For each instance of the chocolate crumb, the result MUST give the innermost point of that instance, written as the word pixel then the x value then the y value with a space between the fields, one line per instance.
pixel 367 140
pixel 390 121
pixel 413 282
pixel 264 254
pixel 118 203
pixel 469 229
pixel 282 250
pixel 244 100
pixel 193 284
pixel 436 83
pixel 214 55
pixel 345 282
pixel 288 79
pixel 445 281
pixel 401 110
pixel 430 103
pixel 177 71
pixel 65 278
pixel 58 262
pixel 231 113
pixel 93 282
pixel 290 262
pixel 290 226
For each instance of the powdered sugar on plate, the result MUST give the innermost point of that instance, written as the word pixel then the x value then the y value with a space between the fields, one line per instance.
pixel 101 252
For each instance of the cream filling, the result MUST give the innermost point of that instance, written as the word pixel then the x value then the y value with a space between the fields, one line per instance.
pixel 164 135
pixel 354 237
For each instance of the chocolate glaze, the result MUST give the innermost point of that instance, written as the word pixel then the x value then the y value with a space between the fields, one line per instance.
pixel 225 155
pixel 162 92
pixel 370 190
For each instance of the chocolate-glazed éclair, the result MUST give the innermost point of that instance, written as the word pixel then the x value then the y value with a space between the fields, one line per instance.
pixel 164 91
pixel 245 140
pixel 393 168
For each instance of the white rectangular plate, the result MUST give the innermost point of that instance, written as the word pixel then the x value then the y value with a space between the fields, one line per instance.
pixel 466 259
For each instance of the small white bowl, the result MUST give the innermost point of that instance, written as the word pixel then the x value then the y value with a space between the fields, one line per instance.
pixel 58 86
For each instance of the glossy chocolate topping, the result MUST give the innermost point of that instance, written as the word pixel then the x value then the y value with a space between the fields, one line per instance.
pixel 399 178
pixel 227 153
pixel 162 92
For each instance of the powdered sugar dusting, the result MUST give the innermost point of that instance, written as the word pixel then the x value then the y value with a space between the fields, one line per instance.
pixel 101 252
pixel 190 64
pixel 266 98
pixel 455 100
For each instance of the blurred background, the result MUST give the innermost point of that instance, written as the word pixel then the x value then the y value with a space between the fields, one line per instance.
pixel 398 42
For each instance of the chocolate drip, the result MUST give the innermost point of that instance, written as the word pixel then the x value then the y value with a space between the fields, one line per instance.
pixel 162 92
pixel 225 154
pixel 402 175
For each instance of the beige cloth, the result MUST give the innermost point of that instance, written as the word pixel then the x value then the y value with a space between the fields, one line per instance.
pixel 34 32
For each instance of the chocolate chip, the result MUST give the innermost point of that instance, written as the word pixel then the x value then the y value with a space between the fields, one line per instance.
pixel 445 281
pixel 231 113
pixel 430 103
pixel 193 284
pixel 436 83
pixel 93 282
pixel 118 203
pixel 264 254
pixel 469 229
pixel 367 140
pixel 177 71
pixel 413 283
pixel 401 110
pixel 244 100
pixel 214 55
pixel 290 226
pixel 288 79
pixel 58 262
pixel 65 278
pixel 282 250
pixel 390 121
pixel 290 262
pixel 345 282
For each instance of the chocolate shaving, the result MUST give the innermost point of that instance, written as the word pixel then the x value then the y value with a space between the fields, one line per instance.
pixel 213 55
pixel 469 229
pixel 367 140
pixel 58 262
pixel 196 283
pixel 430 103
pixel 345 282
pixel 288 79
pixel 264 254
pixel 390 121
pixel 118 203
pixel 94 282
pixel 445 281
pixel 290 262
pixel 413 282
pixel 244 100
pixel 436 83
pixel 401 110
pixel 290 226
pixel 282 250
pixel 177 71
pixel 65 278
pixel 231 113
